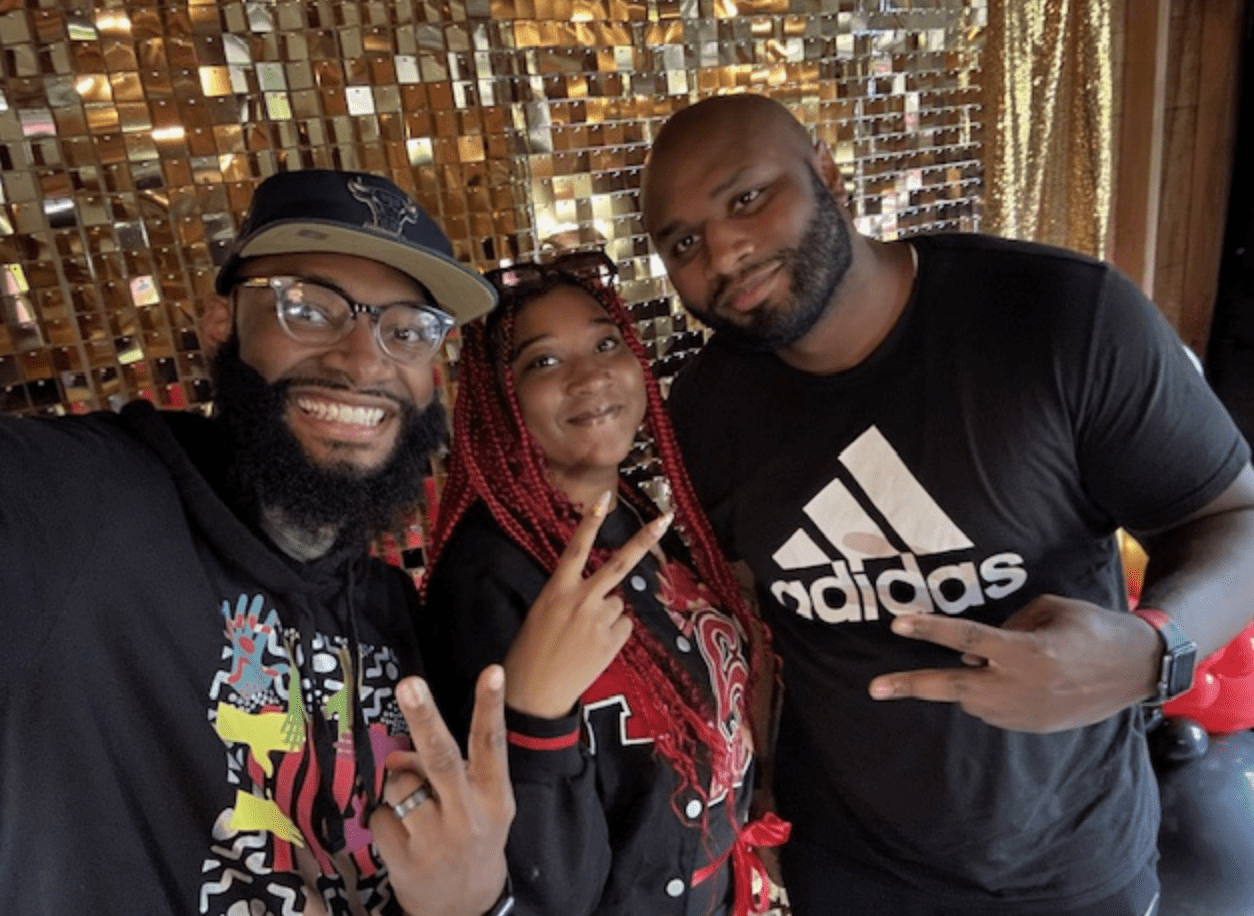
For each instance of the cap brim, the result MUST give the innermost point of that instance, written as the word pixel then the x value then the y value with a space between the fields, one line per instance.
pixel 456 288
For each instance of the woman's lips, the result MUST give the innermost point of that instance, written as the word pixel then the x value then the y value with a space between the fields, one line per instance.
pixel 596 415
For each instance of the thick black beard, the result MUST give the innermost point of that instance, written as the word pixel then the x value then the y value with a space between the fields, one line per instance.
pixel 815 268
pixel 270 468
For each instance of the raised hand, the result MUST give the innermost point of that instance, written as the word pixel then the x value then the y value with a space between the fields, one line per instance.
pixel 575 627
pixel 1056 664
pixel 446 854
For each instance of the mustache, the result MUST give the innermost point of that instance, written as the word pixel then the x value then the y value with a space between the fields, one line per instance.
pixel 725 285
pixel 284 385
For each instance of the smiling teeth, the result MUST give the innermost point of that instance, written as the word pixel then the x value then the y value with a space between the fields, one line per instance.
pixel 342 413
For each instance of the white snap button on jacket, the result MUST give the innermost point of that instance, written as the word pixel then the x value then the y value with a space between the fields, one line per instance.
pixel 675 887
pixel 682 644
pixel 638 583
pixel 693 809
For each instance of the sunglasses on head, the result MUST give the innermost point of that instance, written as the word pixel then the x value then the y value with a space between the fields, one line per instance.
pixel 594 265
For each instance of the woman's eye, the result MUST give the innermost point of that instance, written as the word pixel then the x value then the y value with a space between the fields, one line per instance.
pixel 605 344
pixel 683 246
pixel 540 362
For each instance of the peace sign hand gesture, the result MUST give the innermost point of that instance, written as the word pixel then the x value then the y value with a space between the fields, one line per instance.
pixel 575 627
pixel 1056 664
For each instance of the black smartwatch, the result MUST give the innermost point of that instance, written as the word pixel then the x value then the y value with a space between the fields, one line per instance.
pixel 1175 674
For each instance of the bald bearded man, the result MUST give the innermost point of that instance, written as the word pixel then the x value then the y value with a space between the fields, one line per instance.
pixel 922 449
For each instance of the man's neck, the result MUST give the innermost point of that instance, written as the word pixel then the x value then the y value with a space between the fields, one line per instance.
pixel 866 308
pixel 293 540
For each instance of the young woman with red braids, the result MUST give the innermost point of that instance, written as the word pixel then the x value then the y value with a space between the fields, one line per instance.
pixel 631 750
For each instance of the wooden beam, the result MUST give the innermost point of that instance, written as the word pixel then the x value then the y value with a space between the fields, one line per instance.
pixel 1139 170
pixel 1211 177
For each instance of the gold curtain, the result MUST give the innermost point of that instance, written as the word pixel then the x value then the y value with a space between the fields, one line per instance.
pixel 1049 147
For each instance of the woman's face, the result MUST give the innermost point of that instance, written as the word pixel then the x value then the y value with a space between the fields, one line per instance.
pixel 580 388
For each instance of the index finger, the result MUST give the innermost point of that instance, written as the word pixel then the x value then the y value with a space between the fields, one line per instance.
pixel 574 558
pixel 488 766
pixel 624 559
pixel 967 636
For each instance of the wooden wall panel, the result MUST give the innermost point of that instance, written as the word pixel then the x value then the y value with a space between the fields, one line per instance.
pixel 1198 134
pixel 1140 33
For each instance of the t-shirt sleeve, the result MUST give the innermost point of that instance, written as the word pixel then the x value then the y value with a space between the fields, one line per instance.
pixel 681 405
pixel 1154 442
pixel 691 407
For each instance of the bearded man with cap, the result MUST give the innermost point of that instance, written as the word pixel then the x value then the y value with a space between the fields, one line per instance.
pixel 207 690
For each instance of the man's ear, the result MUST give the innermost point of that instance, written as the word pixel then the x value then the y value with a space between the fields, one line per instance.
pixel 215 323
pixel 829 171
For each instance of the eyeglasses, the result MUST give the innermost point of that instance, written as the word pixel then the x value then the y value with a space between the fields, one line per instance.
pixel 319 315
pixel 590 264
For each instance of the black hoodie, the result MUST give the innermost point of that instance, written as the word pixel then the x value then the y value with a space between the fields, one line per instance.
pixel 152 756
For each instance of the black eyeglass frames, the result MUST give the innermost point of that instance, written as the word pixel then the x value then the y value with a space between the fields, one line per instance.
pixel 313 313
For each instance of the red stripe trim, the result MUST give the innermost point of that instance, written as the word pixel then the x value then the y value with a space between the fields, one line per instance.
pixel 559 743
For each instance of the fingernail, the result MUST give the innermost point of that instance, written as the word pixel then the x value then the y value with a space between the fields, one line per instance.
pixel 881 690
pixel 660 524
pixel 903 626
pixel 496 678
pixel 411 692
pixel 602 503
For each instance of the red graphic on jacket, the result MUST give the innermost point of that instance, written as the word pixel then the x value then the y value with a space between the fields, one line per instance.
pixel 718 639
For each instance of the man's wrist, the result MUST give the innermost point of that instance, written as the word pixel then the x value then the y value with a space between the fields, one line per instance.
pixel 504 903
pixel 1178 660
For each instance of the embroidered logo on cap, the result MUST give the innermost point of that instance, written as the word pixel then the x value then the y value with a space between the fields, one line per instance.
pixel 389 211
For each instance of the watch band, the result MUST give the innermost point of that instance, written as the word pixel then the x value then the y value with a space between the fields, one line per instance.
pixel 505 903
pixel 1175 673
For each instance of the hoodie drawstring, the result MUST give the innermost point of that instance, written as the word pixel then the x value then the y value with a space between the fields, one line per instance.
pixel 328 815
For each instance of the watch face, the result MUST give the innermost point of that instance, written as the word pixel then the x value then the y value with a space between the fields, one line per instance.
pixel 1178 661
pixel 1182 660
pixel 1175 676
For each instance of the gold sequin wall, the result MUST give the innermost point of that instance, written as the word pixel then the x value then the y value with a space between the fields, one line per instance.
pixel 132 135
pixel 1049 152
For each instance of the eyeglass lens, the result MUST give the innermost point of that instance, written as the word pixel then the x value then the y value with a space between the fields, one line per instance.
pixel 316 314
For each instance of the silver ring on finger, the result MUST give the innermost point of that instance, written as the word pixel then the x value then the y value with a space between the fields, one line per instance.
pixel 412 800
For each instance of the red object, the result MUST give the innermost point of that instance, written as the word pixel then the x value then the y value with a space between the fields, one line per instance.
pixel 557 743
pixel 1222 697
pixel 1154 617
pixel 766 831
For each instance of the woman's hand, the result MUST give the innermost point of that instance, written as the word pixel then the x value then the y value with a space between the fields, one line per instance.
pixel 575 627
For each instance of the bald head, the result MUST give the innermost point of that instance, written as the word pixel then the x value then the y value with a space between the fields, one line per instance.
pixel 723 121
pixel 745 213
pixel 727 114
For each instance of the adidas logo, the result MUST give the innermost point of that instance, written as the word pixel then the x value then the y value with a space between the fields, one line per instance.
pixel 874 535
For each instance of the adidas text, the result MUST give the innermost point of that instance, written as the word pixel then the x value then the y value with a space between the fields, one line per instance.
pixel 852 596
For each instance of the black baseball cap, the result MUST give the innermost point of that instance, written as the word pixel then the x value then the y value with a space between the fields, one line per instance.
pixel 323 210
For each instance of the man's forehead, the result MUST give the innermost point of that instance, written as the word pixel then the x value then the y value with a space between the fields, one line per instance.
pixel 704 167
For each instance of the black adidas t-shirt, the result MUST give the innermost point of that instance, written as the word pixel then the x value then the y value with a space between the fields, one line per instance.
pixel 1029 401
